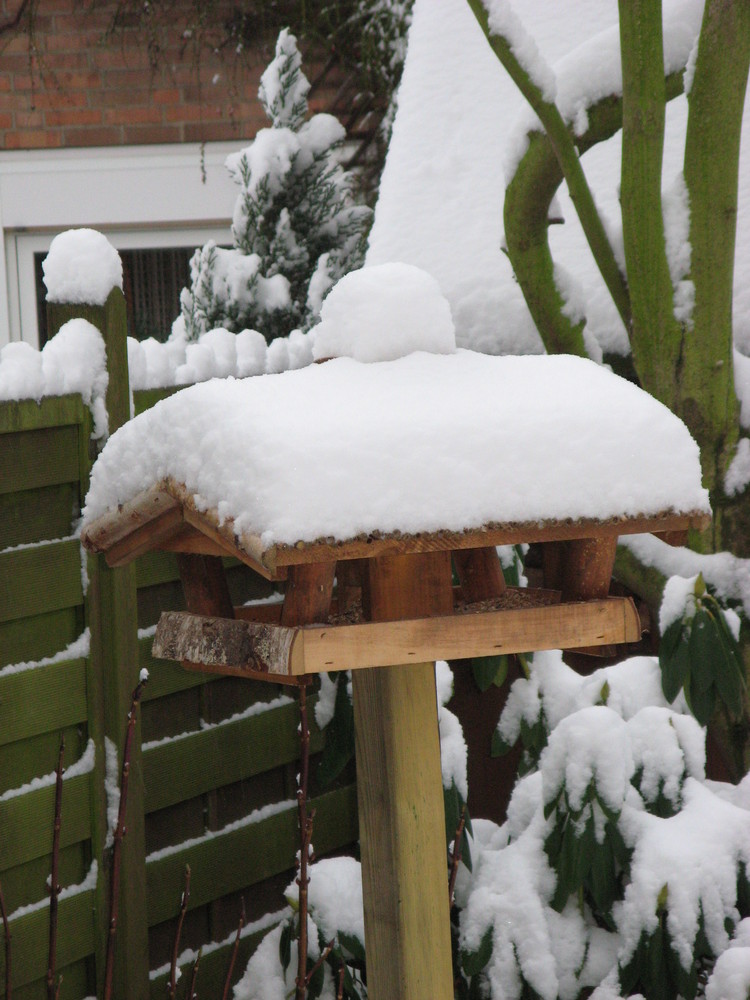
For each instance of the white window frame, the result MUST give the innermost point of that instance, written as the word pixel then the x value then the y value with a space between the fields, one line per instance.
pixel 140 197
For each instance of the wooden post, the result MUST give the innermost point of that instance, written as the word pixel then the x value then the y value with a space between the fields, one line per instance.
pixel 111 614
pixel 400 794
pixel 490 779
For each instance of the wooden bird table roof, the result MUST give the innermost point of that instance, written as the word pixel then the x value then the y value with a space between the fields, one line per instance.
pixel 427 454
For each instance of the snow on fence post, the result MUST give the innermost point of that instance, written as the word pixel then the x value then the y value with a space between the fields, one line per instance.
pixel 83 274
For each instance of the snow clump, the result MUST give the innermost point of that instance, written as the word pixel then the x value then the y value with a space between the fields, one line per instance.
pixel 384 312
pixel 81 266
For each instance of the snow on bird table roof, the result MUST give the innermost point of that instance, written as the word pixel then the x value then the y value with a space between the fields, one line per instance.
pixel 424 443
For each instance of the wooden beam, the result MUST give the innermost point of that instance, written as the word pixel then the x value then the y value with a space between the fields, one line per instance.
pixel 307 597
pixel 224 538
pixel 374 546
pixel 521 630
pixel 204 585
pixel 115 525
pixel 221 645
pixel 235 647
pixel 150 535
pixel 400 794
pixel 479 572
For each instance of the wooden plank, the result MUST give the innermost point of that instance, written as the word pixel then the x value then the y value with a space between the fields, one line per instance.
pixel 152 534
pixel 76 977
pixel 488 633
pixel 112 617
pixel 586 573
pixel 42 699
pixel 204 585
pixel 44 457
pixel 30 935
pixel 114 526
pixel 182 769
pixel 165 676
pixel 213 969
pixel 308 592
pixel 480 573
pixel 370 547
pixel 227 862
pixel 223 535
pixel 33 515
pixel 27 758
pixel 400 795
pixel 38 636
pixel 27 883
pixel 25 576
pixel 26 821
pixel 144 399
pixel 50 411
pixel 154 568
pixel 271 651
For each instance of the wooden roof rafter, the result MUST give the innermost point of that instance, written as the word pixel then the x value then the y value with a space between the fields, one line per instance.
pixel 166 516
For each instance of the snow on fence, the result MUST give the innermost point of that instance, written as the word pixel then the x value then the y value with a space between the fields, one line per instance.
pixel 73 637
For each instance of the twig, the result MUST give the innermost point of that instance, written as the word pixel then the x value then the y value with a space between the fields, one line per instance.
pixel 54 887
pixel 305 854
pixel 235 949
pixel 456 856
pixel 8 939
pixel 191 994
pixel 120 831
pixel 323 956
pixel 342 974
pixel 172 988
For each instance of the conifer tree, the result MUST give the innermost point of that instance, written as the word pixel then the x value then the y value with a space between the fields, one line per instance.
pixel 296 229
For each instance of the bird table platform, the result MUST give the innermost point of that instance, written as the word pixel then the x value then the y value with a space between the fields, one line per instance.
pixel 378 494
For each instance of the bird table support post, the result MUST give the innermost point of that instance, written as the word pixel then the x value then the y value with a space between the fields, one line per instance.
pixel 399 782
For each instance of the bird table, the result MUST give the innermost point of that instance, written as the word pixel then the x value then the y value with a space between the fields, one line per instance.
pixel 386 602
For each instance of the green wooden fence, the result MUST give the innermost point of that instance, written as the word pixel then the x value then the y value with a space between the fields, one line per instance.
pixel 216 757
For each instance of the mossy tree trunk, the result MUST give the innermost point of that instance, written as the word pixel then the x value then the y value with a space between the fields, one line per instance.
pixel 684 360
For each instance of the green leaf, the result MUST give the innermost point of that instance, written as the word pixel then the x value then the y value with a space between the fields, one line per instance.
pixel 352 944
pixel 498 746
pixel 674 660
pixel 285 945
pixel 339 746
pixel 671 638
pixel 489 670
pixel 704 647
pixel 452 806
pixel 701 704
pixel 473 962
pixel 728 672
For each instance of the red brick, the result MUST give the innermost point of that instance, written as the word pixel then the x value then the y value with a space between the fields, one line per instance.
pixel 98 136
pixel 194 113
pixel 79 116
pixel 164 95
pixel 39 139
pixel 55 99
pixel 55 61
pixel 133 116
pixel 29 119
pixel 72 42
pixel 127 79
pixel 72 23
pixel 149 134
pixel 118 57
pixel 6 120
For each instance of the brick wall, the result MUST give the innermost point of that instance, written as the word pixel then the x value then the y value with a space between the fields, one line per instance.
pixel 67 83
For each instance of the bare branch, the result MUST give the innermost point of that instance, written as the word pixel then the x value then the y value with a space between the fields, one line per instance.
pixel 172 988
pixel 235 949
pixel 119 834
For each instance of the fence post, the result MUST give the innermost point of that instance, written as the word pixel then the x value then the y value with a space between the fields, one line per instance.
pixel 111 614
